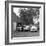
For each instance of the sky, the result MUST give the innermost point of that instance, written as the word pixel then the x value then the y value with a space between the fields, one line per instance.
pixel 16 10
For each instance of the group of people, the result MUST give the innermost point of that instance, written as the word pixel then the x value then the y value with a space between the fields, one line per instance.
pixel 26 28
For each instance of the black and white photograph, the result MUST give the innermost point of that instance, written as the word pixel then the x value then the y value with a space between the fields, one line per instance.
pixel 25 22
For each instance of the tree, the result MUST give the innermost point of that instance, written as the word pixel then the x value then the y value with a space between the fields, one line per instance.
pixel 26 15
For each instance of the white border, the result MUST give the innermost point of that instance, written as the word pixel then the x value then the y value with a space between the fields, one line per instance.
pixel 26 39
